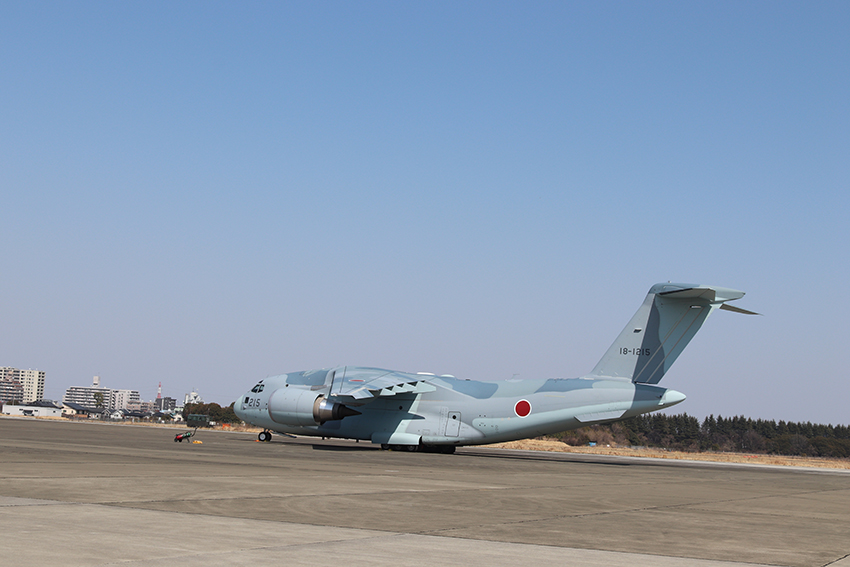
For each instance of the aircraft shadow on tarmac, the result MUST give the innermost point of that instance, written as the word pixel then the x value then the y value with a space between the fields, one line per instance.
pixel 487 454
pixel 317 447
pixel 546 456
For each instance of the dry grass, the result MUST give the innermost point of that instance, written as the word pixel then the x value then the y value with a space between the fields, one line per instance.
pixel 553 445
pixel 184 425
pixel 558 446
pixel 173 425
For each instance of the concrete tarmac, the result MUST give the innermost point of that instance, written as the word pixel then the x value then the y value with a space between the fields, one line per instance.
pixel 81 494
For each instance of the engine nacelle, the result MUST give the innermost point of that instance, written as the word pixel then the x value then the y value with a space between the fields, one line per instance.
pixel 294 406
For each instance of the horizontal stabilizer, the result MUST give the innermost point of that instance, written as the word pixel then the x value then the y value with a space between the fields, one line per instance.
pixel 737 309
pixel 711 294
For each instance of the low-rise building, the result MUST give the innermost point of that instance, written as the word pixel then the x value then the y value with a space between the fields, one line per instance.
pixel 41 408
pixel 71 409
pixel 144 407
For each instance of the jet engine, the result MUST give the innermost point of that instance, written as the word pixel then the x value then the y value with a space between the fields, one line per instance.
pixel 294 406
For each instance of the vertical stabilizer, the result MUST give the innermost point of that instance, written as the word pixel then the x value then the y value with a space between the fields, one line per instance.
pixel 669 318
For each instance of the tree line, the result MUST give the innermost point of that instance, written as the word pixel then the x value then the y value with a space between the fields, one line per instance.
pixel 683 432
pixel 215 412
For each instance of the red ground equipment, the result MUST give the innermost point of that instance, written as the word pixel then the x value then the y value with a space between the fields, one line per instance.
pixel 185 435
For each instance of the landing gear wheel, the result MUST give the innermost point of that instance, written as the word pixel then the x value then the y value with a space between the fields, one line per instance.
pixel 264 436
pixel 447 449
pixel 385 447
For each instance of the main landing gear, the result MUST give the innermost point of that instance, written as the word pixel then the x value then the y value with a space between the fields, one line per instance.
pixel 264 436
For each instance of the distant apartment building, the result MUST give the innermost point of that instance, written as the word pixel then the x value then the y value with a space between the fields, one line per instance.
pixel 165 403
pixel 88 396
pixel 193 398
pixel 11 391
pixel 121 399
pixel 96 397
pixel 28 384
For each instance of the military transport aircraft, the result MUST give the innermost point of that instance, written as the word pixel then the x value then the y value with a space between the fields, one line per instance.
pixel 422 411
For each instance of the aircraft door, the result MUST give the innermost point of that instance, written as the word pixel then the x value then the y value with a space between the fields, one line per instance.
pixel 453 424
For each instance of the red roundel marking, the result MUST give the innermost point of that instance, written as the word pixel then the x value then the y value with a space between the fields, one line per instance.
pixel 522 408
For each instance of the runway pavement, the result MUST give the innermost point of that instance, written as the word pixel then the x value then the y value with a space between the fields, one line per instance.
pixel 81 494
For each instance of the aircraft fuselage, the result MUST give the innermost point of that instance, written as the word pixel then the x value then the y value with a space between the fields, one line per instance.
pixel 455 412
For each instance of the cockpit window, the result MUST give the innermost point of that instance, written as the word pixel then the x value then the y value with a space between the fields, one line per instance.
pixel 258 388
pixel 309 378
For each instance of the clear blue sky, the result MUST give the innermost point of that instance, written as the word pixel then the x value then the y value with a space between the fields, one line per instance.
pixel 207 193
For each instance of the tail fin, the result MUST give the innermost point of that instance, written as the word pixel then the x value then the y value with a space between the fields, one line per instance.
pixel 669 318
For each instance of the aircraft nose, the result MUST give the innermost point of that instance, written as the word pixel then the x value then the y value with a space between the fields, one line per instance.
pixel 237 407
pixel 671 398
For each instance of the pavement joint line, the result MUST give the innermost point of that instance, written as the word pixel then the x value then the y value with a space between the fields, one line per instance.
pixel 384 534
pixel 215 516
pixel 173 558
pixel 694 505
pixel 761 514
pixel 303 496
pixel 39 502
pixel 594 549
pixel 432 532
pixel 446 532
pixel 423 534
pixel 115 476
pixel 391 535
pixel 628 510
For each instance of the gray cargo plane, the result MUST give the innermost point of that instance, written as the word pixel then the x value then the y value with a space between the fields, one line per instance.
pixel 425 412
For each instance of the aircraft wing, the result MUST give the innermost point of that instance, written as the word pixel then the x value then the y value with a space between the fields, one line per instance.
pixel 367 383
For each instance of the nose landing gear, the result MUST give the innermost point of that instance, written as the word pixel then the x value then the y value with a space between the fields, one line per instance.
pixel 264 436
